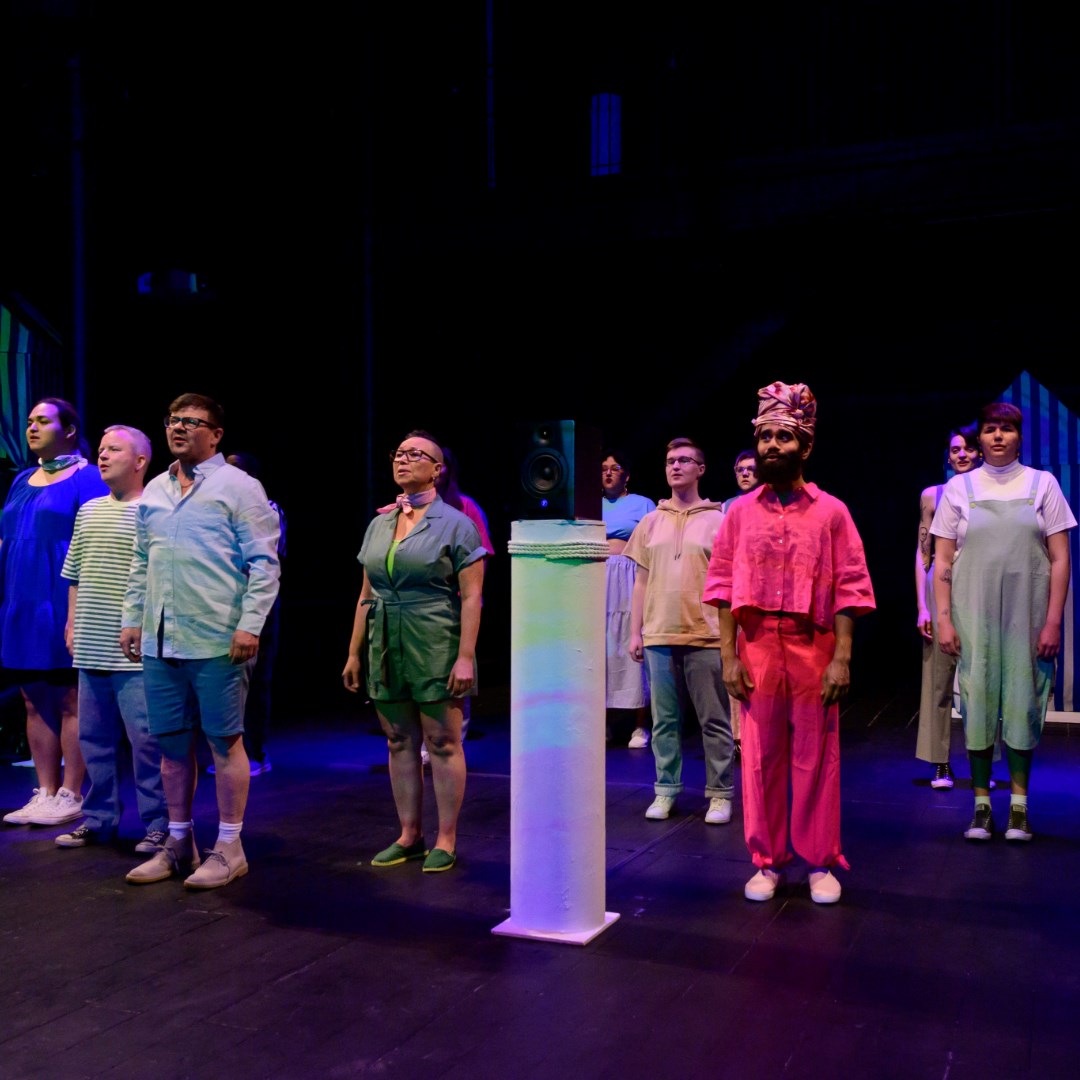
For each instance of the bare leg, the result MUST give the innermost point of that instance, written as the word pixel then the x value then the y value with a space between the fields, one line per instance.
pixel 52 730
pixel 74 766
pixel 442 732
pixel 401 723
pixel 179 774
pixel 232 771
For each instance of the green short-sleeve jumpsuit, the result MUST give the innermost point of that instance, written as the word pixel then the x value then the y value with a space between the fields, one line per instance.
pixel 414 619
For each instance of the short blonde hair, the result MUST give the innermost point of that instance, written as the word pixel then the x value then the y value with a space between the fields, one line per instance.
pixel 138 439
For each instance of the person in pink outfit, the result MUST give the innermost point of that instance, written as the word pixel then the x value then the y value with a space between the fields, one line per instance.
pixel 788 570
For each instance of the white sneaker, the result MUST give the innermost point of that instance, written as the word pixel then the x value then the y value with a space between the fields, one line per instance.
pixel 660 808
pixel 824 888
pixel 719 812
pixel 762 886
pixel 23 814
pixel 639 740
pixel 62 807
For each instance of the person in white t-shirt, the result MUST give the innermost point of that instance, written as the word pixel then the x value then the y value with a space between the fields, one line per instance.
pixel 1003 549
pixel 938 668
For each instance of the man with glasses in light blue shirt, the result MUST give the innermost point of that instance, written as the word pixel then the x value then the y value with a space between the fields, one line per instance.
pixel 204 576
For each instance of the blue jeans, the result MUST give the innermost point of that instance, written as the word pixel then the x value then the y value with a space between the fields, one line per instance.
pixel 110 703
pixel 675 672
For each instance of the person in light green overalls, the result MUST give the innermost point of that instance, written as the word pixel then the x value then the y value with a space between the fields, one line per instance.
pixel 1002 544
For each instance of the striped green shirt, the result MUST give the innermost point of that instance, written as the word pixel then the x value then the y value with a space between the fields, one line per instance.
pixel 98 561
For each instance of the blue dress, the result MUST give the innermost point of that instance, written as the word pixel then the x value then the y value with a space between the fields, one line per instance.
pixel 626 681
pixel 36 529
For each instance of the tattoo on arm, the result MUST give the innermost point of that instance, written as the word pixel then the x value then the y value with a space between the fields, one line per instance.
pixel 946 576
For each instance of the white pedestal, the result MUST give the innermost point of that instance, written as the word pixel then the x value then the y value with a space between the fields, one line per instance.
pixel 557 792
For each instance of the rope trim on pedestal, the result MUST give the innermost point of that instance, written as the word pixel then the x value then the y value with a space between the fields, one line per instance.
pixel 561 549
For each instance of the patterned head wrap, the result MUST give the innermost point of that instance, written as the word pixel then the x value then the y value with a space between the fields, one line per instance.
pixel 791 406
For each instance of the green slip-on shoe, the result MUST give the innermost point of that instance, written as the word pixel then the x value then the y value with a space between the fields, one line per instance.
pixel 395 854
pixel 439 860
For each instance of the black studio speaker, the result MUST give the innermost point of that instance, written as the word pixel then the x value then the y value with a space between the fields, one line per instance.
pixel 560 471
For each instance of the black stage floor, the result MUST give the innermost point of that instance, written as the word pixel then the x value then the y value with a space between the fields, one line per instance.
pixel 943 959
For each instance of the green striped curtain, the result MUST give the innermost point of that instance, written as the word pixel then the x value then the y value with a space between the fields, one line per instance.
pixel 30 367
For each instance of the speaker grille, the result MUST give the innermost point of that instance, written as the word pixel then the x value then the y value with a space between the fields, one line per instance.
pixel 543 472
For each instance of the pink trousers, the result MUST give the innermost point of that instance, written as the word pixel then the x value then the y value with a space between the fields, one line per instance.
pixel 788 737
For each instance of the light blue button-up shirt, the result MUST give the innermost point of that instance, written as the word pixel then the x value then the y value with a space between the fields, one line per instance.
pixel 204 565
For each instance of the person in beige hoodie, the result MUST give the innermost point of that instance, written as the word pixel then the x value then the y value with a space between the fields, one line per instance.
pixel 678 637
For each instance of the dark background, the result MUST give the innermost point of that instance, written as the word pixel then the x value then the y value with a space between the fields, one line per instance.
pixel 876 198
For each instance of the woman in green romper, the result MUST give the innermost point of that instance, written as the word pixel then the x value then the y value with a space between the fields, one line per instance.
pixel 413 645
pixel 1000 604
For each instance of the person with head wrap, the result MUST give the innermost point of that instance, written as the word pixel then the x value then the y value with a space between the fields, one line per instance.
pixel 788 570
pixel 1003 545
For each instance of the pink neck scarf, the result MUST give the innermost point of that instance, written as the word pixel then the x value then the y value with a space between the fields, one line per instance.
pixel 405 503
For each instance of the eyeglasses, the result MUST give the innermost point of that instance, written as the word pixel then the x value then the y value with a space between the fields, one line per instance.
pixel 411 454
pixel 611 468
pixel 682 461
pixel 189 423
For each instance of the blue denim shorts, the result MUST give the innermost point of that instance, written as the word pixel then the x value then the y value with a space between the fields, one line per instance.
pixel 186 694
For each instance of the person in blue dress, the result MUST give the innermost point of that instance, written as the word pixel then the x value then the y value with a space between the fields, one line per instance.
pixel 35 531
pixel 626 681
pixel 413 644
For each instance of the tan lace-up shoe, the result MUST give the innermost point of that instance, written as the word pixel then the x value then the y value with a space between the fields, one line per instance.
pixel 176 858
pixel 223 863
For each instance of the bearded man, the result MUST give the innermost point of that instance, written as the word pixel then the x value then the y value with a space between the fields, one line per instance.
pixel 788 570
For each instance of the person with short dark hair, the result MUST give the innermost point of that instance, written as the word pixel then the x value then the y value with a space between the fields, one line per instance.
pixel 204 577
pixel 35 532
pixel 1002 541
pixel 938 669
pixel 260 689
pixel 746 477
pixel 626 682
pixel 450 492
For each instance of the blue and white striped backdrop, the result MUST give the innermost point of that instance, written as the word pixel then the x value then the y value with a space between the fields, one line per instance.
pixel 1052 442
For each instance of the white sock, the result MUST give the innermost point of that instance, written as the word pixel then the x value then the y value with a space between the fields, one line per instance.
pixel 228 832
pixel 181 830
pixel 1018 800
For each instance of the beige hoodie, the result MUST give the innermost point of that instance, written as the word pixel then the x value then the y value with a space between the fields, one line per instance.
pixel 675 546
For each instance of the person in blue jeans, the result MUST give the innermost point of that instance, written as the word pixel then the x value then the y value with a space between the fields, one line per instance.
pixel 678 637
pixel 112 699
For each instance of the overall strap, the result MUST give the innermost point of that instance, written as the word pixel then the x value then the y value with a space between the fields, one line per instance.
pixel 970 489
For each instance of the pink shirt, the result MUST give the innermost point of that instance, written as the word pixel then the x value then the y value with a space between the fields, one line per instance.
pixel 473 512
pixel 805 558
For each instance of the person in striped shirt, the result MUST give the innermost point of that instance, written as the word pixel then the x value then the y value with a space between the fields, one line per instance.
pixel 111 695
